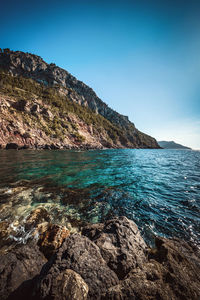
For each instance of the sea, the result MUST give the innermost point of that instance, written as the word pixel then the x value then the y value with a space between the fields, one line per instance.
pixel 158 189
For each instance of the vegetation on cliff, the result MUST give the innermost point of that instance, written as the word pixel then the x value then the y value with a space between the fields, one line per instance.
pixel 66 113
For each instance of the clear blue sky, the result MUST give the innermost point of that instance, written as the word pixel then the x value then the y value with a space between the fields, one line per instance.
pixel 141 57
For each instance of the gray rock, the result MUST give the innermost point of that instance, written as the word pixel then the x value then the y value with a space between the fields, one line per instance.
pixel 81 269
pixel 120 243
pixel 170 273
pixel 35 108
pixel 47 147
pixel 17 266
pixel 21 105
pixel 82 256
pixel 68 285
pixel 55 146
pixel 12 146
pixel 47 113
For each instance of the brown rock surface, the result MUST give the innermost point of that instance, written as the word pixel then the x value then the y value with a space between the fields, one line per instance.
pixel 37 216
pixel 51 238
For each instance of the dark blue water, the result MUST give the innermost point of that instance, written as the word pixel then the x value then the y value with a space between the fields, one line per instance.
pixel 158 189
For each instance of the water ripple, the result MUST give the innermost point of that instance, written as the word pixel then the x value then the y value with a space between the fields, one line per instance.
pixel 158 189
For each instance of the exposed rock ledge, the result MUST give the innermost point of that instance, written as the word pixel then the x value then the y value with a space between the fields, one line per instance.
pixel 106 261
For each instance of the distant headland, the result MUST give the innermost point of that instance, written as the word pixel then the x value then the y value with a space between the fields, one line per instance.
pixel 171 145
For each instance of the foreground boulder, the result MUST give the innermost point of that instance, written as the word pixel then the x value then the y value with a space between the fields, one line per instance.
pixel 120 243
pixel 17 266
pixel 114 265
pixel 68 285
pixel 172 272
pixel 84 257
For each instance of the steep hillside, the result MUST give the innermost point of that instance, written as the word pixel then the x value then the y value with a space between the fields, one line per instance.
pixel 44 106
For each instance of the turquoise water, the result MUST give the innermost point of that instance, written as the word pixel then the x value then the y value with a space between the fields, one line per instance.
pixel 158 189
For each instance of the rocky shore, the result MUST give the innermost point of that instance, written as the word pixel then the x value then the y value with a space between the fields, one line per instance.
pixel 103 261
pixel 52 146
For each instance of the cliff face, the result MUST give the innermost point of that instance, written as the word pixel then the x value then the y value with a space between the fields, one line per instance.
pixel 68 101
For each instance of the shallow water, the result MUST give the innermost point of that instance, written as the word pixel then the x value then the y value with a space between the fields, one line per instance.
pixel 158 189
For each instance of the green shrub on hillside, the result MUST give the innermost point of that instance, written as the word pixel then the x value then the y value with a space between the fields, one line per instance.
pixel 26 88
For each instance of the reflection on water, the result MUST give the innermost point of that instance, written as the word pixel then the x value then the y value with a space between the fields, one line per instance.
pixel 158 189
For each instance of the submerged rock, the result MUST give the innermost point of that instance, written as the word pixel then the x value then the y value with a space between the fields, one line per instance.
pixel 4 234
pixel 50 236
pixel 9 234
pixel 120 243
pixel 37 216
pixel 3 230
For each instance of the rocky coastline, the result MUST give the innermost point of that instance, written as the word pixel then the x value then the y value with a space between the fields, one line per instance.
pixel 107 260
pixel 15 146
pixel 43 107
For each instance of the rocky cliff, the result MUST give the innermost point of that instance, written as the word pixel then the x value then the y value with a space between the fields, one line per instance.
pixel 43 105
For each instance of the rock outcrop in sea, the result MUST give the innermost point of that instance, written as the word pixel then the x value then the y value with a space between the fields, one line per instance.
pixel 105 261
pixel 44 107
